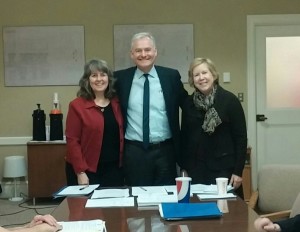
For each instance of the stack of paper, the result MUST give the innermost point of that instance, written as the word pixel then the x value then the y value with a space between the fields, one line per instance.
pixel 159 190
pixel 215 196
pixel 110 198
pixel 197 189
pixel 110 193
pixel 92 226
pixel 207 189
pixel 155 200
pixel 207 192
pixel 178 211
pixel 76 190
pixel 173 189
pixel 152 195
pixel 110 202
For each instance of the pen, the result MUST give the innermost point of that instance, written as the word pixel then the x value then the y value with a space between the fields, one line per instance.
pixel 84 187
pixel 143 188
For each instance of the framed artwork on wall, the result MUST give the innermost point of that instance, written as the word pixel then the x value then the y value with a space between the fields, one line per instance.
pixel 43 55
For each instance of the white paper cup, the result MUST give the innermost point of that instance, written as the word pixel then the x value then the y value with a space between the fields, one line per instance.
pixel 222 183
pixel 183 185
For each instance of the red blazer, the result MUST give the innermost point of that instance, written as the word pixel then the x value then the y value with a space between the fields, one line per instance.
pixel 84 133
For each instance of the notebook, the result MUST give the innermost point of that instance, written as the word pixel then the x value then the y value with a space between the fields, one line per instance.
pixel 181 211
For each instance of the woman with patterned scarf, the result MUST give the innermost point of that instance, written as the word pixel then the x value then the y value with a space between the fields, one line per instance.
pixel 213 129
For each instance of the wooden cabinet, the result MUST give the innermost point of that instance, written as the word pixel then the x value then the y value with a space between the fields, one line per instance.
pixel 46 168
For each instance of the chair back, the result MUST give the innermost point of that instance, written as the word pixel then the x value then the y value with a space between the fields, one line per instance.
pixel 278 187
pixel 296 207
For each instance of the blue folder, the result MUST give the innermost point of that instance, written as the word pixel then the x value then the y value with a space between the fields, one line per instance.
pixel 180 211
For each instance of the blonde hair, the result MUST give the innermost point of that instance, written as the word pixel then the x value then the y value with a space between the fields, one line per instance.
pixel 211 66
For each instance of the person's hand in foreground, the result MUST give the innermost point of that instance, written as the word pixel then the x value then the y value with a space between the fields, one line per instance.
pixel 45 223
pixel 266 225
pixel 39 223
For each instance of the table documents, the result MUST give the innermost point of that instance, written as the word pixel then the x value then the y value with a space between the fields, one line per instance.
pixel 146 195
pixel 76 190
pixel 110 202
pixel 135 212
pixel 215 196
pixel 110 193
pixel 80 226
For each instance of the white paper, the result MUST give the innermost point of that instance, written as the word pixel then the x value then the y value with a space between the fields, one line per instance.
pixel 80 226
pixel 198 188
pixel 151 200
pixel 207 189
pixel 214 189
pixel 215 196
pixel 110 202
pixel 77 190
pixel 171 188
pixel 146 190
pixel 109 193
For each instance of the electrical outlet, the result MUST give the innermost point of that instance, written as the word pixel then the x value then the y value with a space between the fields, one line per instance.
pixel 240 97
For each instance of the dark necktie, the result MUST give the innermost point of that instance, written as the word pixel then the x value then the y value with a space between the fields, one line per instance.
pixel 146 104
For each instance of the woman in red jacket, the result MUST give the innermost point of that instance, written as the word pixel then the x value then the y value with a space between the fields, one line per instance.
pixel 94 130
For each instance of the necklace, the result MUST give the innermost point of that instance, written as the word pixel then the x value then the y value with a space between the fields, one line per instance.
pixel 102 104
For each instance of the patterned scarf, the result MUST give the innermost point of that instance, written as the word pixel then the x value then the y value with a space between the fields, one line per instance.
pixel 211 118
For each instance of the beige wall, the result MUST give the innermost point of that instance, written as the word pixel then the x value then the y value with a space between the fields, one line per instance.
pixel 219 33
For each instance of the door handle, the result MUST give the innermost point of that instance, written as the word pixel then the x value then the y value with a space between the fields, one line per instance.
pixel 261 118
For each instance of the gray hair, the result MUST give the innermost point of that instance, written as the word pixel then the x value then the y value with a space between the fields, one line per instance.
pixel 142 35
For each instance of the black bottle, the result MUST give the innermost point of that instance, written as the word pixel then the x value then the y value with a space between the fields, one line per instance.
pixel 39 130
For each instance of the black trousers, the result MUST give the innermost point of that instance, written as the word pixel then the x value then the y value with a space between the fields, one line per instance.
pixel 201 174
pixel 149 167
pixel 108 175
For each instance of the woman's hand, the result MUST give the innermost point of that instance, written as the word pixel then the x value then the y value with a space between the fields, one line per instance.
pixel 44 227
pixel 82 178
pixel 39 219
pixel 44 223
pixel 235 181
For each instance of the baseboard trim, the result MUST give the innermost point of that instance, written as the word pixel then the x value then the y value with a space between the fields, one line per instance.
pixel 6 141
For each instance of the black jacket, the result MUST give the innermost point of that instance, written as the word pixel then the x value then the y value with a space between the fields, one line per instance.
pixel 226 147
pixel 173 91
pixel 290 225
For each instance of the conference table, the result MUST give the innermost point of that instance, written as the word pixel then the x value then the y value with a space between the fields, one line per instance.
pixel 237 217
